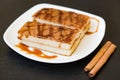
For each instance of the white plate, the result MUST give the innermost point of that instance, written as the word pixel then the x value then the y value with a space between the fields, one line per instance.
pixel 88 44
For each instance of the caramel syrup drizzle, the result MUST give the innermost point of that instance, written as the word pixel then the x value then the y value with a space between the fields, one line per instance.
pixel 34 51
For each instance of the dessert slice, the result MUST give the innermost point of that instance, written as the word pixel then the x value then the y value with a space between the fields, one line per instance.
pixel 57 39
pixel 62 18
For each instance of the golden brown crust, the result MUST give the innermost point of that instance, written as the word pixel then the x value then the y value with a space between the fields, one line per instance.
pixel 47 31
pixel 66 18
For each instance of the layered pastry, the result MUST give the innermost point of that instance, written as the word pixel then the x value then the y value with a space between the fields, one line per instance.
pixel 62 18
pixel 55 30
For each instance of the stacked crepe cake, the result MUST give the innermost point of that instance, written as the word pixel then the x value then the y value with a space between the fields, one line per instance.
pixel 55 31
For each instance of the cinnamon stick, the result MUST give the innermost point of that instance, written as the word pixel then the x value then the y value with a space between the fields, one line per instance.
pixel 93 62
pixel 102 61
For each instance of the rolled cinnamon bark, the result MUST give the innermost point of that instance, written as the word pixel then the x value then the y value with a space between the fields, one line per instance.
pixel 93 62
pixel 102 61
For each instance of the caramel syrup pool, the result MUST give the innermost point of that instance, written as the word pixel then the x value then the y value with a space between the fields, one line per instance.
pixel 36 52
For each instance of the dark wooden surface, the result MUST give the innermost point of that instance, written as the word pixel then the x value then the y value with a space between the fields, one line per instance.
pixel 16 67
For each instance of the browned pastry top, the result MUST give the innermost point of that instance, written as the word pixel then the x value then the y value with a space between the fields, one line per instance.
pixel 67 18
pixel 46 31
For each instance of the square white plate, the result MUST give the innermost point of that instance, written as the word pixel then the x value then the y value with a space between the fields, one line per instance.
pixel 88 44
